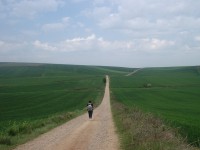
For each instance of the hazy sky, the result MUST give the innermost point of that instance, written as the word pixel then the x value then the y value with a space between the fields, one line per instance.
pixel 129 33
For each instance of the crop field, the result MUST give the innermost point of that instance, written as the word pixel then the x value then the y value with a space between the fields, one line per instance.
pixel 31 92
pixel 33 95
pixel 171 93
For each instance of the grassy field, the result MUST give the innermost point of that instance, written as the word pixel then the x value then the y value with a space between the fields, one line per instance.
pixel 170 93
pixel 35 96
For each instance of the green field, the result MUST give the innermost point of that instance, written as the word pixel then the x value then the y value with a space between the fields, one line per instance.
pixel 173 94
pixel 31 93
pixel 33 96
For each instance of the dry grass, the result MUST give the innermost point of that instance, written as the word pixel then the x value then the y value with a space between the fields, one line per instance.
pixel 141 131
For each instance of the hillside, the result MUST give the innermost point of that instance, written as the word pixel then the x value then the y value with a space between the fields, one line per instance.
pixel 37 95
pixel 41 70
pixel 171 93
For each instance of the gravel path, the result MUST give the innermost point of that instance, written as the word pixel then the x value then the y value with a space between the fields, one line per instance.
pixel 132 73
pixel 81 133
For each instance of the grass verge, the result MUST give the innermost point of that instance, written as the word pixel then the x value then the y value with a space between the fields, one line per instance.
pixel 21 132
pixel 143 131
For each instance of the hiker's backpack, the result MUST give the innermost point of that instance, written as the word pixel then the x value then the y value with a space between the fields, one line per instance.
pixel 89 107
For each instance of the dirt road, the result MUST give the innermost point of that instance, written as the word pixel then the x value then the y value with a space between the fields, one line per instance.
pixel 132 73
pixel 81 133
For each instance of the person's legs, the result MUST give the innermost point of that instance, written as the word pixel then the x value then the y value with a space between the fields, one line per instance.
pixel 90 114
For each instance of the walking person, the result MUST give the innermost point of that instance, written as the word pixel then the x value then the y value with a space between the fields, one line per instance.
pixel 90 109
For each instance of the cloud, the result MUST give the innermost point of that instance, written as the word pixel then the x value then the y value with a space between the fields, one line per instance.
pixel 31 8
pixel 29 33
pixel 51 27
pixel 93 49
pixel 7 46
pixel 146 17
pixel 93 43
pixel 1 43
pixel 97 12
pixel 197 38
pixel 156 9
pixel 2 10
pixel 78 1
pixel 44 46
pixel 128 30
pixel 155 44
pixel 98 44
pixel 75 44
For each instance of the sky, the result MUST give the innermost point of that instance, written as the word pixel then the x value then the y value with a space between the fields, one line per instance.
pixel 126 33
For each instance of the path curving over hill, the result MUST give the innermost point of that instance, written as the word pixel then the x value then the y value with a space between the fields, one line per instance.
pixel 132 73
pixel 81 133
